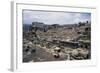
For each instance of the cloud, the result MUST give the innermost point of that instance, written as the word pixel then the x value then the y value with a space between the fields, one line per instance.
pixel 54 17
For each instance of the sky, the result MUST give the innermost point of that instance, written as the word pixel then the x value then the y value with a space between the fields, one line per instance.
pixel 49 18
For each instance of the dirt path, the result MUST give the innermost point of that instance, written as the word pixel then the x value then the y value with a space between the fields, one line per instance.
pixel 42 55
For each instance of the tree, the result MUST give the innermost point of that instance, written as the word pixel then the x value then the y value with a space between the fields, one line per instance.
pixel 81 24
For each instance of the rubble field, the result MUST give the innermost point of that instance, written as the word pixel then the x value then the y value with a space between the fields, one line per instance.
pixel 57 42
